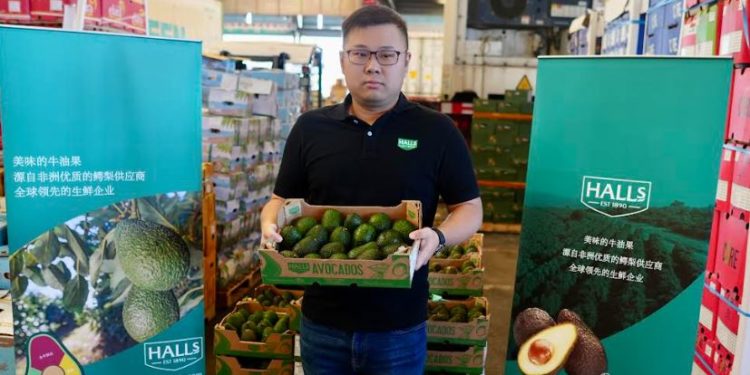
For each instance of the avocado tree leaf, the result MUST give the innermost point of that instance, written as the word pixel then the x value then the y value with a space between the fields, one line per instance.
pixel 46 248
pixel 34 273
pixel 54 277
pixel 64 269
pixel 75 293
pixel 16 263
pixel 117 274
pixel 80 249
pixel 149 213
pixel 29 260
pixel 120 293
pixel 95 263
pixel 18 286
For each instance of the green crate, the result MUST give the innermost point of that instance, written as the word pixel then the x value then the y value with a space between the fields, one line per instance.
pixel 524 131
pixel 481 131
pixel 485 105
pixel 517 96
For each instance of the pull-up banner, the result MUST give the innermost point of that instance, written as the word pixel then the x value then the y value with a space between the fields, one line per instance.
pixel 102 152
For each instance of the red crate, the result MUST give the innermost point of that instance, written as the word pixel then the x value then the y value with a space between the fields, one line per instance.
pixel 48 11
pixel 726 176
pixel 135 16
pixel 113 14
pixel 93 13
pixel 730 33
pixel 705 344
pixel 699 368
pixel 729 263
pixel 738 129
pixel 727 326
pixel 15 11
pixel 739 199
pixel 723 360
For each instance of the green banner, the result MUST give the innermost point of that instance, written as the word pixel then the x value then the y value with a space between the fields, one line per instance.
pixel 102 152
pixel 619 202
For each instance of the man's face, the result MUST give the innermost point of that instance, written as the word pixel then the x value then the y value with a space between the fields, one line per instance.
pixel 373 84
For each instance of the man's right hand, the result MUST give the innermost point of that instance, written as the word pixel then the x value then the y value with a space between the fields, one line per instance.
pixel 270 232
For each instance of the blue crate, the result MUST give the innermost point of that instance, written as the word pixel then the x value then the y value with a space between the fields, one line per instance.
pixel 653 43
pixel 673 13
pixel 654 20
pixel 672 41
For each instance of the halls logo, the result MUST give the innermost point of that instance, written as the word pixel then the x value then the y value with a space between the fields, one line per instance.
pixel 615 197
pixel 173 355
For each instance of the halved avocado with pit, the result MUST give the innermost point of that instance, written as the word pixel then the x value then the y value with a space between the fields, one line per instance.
pixel 547 351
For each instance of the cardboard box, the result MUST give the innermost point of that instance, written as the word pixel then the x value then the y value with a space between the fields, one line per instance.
pixel 730 40
pixel 476 240
pixel 727 327
pixel 114 13
pixel 655 19
pixel 740 197
pixel 700 368
pixel 229 102
pixel 227 342
pixel 673 13
pixel 226 365
pixel 706 340
pixel 135 16
pixel 48 11
pixel 729 264
pixel 264 95
pixel 706 32
pixel 689 45
pixel 227 210
pixel 460 284
pixel 653 44
pixel 738 130
pixel 585 32
pixel 293 311
pixel 219 79
pixel 726 176
pixel 15 11
pixel 465 361
pixel 723 361
pixel 220 127
pixel 472 333
pixel 623 28
pixel 396 271
pixel 672 40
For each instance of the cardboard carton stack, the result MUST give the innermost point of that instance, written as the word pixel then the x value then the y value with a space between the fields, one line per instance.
pixel 663 25
pixel 123 16
pixel 585 34
pixel 624 27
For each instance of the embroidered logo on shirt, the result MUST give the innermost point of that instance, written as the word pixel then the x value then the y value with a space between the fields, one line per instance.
pixel 407 144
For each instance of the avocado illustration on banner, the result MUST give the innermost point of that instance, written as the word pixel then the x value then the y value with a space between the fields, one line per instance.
pixel 47 356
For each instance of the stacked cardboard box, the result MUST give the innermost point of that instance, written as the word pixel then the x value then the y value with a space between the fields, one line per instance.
pixel 585 34
pixel 127 16
pixel 663 24
pixel 624 27
pixel 247 117
pixel 701 24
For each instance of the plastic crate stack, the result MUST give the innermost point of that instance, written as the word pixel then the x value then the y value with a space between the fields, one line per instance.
pixel 624 23
pixel 128 16
pixel 260 336
pixel 585 34
pixel 459 318
pixel 244 144
pixel 663 25
pixel 723 337
pixel 500 135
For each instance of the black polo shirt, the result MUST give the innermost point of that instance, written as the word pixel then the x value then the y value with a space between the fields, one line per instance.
pixel 333 158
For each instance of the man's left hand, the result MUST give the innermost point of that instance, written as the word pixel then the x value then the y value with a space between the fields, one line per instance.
pixel 428 245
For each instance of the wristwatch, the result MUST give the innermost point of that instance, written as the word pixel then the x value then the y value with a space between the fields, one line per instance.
pixel 441 240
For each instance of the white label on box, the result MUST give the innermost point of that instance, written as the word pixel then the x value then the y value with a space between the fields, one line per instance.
pixel 740 197
pixel 298 368
pixel 706 317
pixel 712 16
pixel 706 48
pixel 730 43
pixel 56 5
pixel 722 189
pixel 14 6
pixel 726 337
pixel 297 347
pixel 727 155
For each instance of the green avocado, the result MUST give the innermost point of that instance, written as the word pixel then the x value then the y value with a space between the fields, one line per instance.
pixel 282 325
pixel 307 245
pixel 380 221
pixel 288 254
pixel 267 332
pixel 389 237
pixel 331 248
pixel 390 249
pixel 290 235
pixel 331 219
pixel 147 313
pixel 353 221
pixel 339 256
pixel 404 227
pixel 357 251
pixel 341 235
pixel 319 233
pixel 364 234
pixel 304 224
pixel 313 256
pixel 151 255
pixel 370 254
pixel 248 335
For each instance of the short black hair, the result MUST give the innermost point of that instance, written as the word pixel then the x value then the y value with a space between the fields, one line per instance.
pixel 375 15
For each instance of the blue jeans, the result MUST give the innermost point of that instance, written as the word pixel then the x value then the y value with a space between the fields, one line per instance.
pixel 328 351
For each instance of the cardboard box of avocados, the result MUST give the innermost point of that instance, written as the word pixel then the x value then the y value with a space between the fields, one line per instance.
pixel 287 301
pixel 464 322
pixel 252 366
pixel 262 335
pixel 457 359
pixel 462 277
pixel 395 270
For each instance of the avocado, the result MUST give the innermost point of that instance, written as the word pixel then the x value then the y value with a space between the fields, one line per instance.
pixel 529 322
pixel 147 313
pixel 456 249
pixel 267 332
pixel 455 255
pixel 331 219
pixel 245 313
pixel 547 351
pixel 364 234
pixel 404 227
pixel 331 248
pixel 459 310
pixel 357 251
pixel 588 355
pixel 472 249
pixel 458 319
pixel 282 325
pixel 341 235
pixel 271 316
pixel 290 235
pixel 390 249
pixel 248 335
pixel 313 256
pixel 256 317
pixel 389 237
pixel 151 255
pixel 319 233
pixel 380 221
pixel 287 296
pixel 304 224
pixel 288 254
pixel 307 245
pixel 370 254
pixel 441 255
pixel 450 270
pixel 353 221
pixel 236 319
pixel 339 256
pixel 249 325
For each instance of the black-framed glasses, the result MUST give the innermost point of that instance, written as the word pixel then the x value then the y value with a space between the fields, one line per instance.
pixel 360 56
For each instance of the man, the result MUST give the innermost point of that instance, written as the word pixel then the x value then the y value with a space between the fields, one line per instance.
pixel 375 149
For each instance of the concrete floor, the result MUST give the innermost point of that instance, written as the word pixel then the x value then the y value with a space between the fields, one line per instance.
pixel 500 255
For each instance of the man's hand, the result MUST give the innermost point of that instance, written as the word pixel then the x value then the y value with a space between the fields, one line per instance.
pixel 430 242
pixel 270 234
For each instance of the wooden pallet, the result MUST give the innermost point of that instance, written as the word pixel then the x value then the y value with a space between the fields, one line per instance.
pixel 501 228
pixel 229 297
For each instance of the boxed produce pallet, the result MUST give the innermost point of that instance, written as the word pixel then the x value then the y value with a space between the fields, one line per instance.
pixel 307 257
pixel 456 358
pixel 689 46
pixel 14 11
pixel 729 264
pixel 739 200
pixel 706 31
pixel 726 173
pixel 219 79
pixel 252 331
pixel 738 129
pixel 226 365
pixel 467 250
pixel 705 344
pixel 459 322
pixel 228 102
pixel 457 277
pixel 285 301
